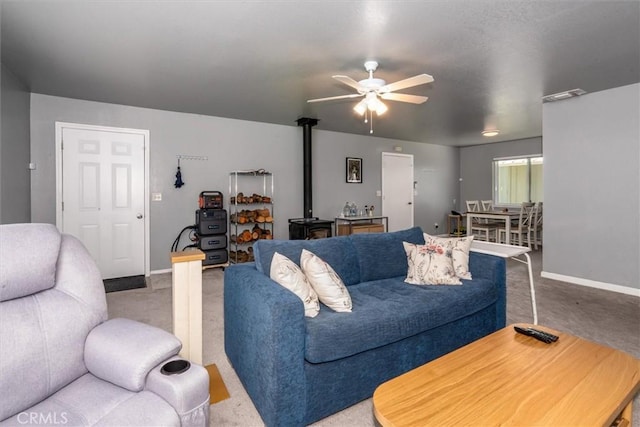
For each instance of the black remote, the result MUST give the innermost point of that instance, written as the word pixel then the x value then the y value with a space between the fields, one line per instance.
pixel 552 337
pixel 545 337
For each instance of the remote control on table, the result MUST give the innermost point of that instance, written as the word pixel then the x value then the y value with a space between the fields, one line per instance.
pixel 537 334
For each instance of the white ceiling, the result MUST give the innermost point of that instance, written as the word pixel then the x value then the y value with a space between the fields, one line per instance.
pixel 261 60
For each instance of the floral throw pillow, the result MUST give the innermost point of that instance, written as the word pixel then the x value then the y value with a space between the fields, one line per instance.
pixel 459 247
pixel 288 274
pixel 326 282
pixel 429 265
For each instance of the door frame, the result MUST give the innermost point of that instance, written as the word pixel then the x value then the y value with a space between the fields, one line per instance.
pixel 408 156
pixel 60 126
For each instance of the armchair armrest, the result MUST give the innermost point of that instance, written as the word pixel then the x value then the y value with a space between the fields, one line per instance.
pixel 264 336
pixel 187 392
pixel 123 351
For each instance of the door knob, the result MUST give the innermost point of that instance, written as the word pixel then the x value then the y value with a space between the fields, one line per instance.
pixel 410 203
pixel 139 216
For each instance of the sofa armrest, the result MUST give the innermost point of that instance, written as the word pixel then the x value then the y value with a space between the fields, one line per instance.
pixel 264 336
pixel 123 351
pixel 492 268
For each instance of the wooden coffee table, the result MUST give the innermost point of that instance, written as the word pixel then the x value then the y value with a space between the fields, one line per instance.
pixel 511 379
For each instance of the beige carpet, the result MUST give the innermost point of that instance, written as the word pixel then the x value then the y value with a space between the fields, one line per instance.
pixel 605 317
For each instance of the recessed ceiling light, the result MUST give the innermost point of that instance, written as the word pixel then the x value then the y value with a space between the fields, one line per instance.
pixel 563 95
pixel 490 132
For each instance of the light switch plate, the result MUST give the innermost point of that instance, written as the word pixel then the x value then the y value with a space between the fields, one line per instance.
pixel 156 197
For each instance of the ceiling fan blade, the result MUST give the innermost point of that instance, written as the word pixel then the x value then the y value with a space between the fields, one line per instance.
pixel 420 79
pixel 331 98
pixel 403 97
pixel 348 81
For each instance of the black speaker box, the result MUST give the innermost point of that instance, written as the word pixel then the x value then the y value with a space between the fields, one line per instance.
pixel 211 221
pixel 214 241
pixel 216 256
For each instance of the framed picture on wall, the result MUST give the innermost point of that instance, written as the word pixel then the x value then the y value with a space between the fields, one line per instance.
pixel 354 170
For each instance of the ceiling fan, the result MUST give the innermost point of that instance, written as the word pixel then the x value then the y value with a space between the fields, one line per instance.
pixel 373 90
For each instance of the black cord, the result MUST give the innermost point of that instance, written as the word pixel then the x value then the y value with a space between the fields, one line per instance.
pixel 174 246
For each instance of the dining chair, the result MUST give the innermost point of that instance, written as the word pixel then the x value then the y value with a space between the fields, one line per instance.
pixel 481 229
pixel 473 205
pixel 520 230
pixel 534 233
pixel 487 206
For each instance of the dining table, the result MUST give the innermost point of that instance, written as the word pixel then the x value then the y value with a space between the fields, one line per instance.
pixel 502 215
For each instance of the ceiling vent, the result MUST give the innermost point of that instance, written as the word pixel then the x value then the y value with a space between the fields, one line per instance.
pixel 563 95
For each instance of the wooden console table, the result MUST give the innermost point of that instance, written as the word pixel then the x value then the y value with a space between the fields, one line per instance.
pixel 361 224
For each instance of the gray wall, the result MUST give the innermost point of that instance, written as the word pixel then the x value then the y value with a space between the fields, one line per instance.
pixel 592 181
pixel 476 161
pixel 235 144
pixel 435 171
pixel 15 197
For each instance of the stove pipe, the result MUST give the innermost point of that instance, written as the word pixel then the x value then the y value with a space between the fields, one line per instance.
pixel 307 124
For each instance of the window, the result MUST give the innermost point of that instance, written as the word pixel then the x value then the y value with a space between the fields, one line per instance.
pixel 517 180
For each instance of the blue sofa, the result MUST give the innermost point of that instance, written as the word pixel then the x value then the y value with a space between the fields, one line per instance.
pixel 298 370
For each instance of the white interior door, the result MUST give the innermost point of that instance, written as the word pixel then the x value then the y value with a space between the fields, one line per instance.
pixel 397 190
pixel 103 195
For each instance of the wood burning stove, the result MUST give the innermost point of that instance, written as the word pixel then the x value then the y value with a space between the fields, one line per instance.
pixel 309 227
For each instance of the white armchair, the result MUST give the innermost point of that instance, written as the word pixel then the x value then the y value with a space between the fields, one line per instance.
pixel 63 362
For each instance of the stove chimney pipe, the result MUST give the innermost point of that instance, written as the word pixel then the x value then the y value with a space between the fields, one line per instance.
pixel 307 124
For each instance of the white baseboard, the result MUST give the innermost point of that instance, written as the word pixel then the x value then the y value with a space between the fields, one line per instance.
pixel 592 284
pixel 166 270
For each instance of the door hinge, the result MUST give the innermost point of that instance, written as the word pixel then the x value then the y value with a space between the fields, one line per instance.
pixel 63 206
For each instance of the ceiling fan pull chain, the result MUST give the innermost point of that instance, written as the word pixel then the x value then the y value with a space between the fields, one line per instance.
pixel 371 129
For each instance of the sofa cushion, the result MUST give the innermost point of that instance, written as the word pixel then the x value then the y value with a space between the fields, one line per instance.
pixel 338 252
pixel 429 265
pixel 382 255
pixel 389 310
pixel 326 282
pixel 459 248
pixel 286 273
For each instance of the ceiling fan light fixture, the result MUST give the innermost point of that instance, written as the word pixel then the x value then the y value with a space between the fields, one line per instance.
pixel 372 101
pixel 490 132
pixel 361 107
pixel 374 90
pixel 381 108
